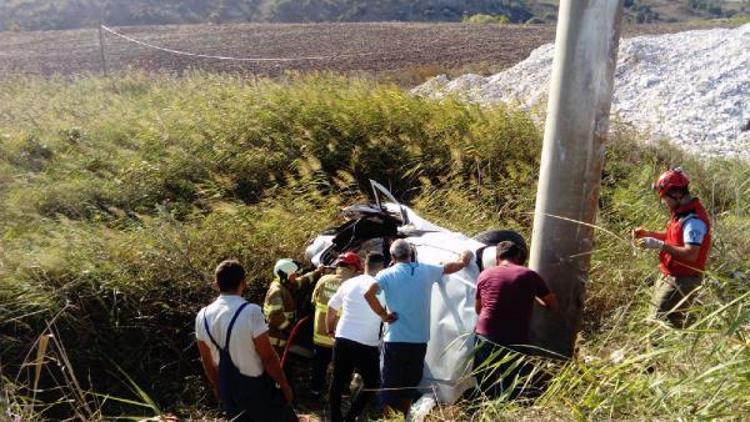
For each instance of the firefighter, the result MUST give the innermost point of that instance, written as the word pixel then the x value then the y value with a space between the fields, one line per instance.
pixel 347 266
pixel 280 305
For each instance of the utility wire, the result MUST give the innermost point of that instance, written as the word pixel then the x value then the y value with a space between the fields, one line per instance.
pixel 227 58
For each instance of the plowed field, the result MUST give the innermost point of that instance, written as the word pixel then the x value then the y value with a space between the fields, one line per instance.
pixel 412 48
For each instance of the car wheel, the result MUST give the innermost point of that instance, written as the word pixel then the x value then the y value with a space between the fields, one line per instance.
pixel 491 238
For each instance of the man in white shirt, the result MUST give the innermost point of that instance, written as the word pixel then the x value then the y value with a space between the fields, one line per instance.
pixel 237 355
pixel 357 333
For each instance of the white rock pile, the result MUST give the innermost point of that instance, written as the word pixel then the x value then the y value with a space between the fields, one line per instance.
pixel 692 88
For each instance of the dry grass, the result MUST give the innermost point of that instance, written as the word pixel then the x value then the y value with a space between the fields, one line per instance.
pixel 118 197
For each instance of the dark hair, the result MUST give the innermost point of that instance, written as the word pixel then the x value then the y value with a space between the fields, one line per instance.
pixel 229 274
pixel 510 251
pixel 374 258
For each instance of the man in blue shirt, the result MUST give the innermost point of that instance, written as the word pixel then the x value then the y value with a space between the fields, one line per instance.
pixel 407 287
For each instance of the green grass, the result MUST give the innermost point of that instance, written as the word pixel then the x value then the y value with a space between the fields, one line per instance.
pixel 118 197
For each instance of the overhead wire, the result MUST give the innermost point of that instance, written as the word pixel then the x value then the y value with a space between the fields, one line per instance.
pixel 227 58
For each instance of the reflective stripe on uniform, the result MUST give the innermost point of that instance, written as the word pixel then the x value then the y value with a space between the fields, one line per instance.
pixel 284 324
pixel 320 331
pixel 270 308
pixel 323 340
pixel 325 289
pixel 277 342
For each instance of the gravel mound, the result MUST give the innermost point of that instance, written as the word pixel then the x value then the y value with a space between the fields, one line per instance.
pixel 692 88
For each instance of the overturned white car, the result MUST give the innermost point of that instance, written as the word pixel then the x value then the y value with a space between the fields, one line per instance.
pixel 373 227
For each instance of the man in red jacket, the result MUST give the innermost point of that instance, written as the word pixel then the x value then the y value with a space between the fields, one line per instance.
pixel 683 247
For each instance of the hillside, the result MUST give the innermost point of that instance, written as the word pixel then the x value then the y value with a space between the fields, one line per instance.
pixel 59 14
pixel 407 53
pixel 118 196
pixel 64 14
pixel 656 11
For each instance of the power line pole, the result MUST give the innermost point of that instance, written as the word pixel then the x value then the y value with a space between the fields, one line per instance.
pixel 101 41
pixel 588 34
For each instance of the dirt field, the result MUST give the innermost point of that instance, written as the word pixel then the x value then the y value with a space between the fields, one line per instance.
pixel 414 51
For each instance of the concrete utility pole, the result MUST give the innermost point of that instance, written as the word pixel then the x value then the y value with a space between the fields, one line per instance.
pixel 588 34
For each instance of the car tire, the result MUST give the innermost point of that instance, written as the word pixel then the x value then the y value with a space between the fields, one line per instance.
pixel 492 238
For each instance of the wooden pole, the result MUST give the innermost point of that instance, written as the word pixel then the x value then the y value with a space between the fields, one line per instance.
pixel 101 41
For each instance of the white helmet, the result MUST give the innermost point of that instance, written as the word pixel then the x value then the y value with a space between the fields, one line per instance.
pixel 285 268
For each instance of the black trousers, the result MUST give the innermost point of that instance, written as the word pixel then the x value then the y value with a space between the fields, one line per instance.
pixel 257 399
pixel 403 367
pixel 349 355
pixel 321 360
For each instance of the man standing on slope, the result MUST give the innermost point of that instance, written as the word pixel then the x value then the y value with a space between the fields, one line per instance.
pixel 347 265
pixel 357 333
pixel 408 293
pixel 237 355
pixel 683 247
pixel 504 302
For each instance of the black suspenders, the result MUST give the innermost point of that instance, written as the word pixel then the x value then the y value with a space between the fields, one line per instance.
pixel 229 330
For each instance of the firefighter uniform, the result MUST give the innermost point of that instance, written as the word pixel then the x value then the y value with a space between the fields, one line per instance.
pixel 346 266
pixel 324 291
pixel 280 306
pixel 280 311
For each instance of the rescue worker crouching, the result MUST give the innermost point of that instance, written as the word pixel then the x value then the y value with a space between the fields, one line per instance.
pixel 279 306
pixel 347 266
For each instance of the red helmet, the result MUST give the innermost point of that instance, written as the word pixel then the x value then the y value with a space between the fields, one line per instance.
pixel 350 259
pixel 672 179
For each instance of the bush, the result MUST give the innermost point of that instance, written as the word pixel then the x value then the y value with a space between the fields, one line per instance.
pixel 63 14
pixel 128 195
pixel 484 19
pixel 113 223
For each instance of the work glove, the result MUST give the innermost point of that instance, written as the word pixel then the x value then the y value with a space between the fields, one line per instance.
pixel 650 243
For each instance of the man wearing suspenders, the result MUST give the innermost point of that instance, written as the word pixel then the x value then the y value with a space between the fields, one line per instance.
pixel 237 356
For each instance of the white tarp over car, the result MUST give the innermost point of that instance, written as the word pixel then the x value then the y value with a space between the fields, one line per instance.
pixel 450 350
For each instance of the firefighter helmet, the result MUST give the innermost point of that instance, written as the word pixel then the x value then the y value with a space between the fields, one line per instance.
pixel 350 259
pixel 672 179
pixel 284 268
